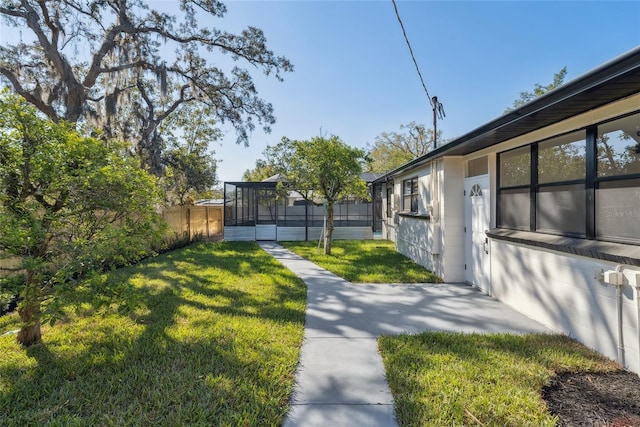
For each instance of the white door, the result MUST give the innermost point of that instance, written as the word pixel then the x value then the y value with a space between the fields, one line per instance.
pixel 477 214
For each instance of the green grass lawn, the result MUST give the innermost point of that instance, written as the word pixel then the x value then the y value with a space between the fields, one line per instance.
pixel 214 341
pixel 364 261
pixel 453 379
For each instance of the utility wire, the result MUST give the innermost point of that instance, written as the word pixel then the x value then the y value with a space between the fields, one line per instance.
pixel 412 55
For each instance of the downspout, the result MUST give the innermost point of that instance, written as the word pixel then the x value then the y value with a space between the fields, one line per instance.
pixel 637 286
pixel 616 278
pixel 620 339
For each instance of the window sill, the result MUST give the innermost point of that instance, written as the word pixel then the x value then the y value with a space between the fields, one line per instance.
pixel 618 253
pixel 414 215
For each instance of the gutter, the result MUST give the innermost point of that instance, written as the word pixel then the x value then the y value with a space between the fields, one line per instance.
pixel 610 71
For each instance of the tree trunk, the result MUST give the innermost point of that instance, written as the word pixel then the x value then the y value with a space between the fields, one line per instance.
pixel 29 311
pixel 328 231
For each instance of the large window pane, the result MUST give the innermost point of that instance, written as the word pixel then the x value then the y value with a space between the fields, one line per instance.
pixel 513 208
pixel 562 209
pixel 230 213
pixel 410 195
pixel 291 215
pixel 266 200
pixel 618 210
pixel 562 158
pixel 618 146
pixel 245 206
pixel 515 167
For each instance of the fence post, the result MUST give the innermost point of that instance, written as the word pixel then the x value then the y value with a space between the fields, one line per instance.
pixel 207 219
pixel 189 223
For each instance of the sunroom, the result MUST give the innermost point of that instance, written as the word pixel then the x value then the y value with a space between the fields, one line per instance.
pixel 266 211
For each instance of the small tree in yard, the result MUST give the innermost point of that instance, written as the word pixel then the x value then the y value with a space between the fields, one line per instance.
pixel 70 206
pixel 325 167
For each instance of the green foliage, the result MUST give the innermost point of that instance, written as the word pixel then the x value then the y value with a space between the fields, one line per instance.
pixel 539 90
pixel 321 168
pixel 446 379
pixel 327 166
pixel 138 65
pixel 214 340
pixel 393 149
pixel 191 168
pixel 365 261
pixel 69 205
pixel 263 170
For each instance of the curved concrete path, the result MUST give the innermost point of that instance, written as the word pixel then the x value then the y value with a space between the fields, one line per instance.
pixel 340 380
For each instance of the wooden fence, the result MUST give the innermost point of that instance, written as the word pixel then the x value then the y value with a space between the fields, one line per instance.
pixel 193 220
pixel 183 220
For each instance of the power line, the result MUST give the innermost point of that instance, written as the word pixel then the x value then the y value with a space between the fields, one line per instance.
pixel 424 86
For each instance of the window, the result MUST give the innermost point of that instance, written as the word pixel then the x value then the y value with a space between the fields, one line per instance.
pixel 515 167
pixel 618 147
pixel 582 184
pixel 561 196
pixel 239 207
pixel 410 195
pixel 479 166
pixel 514 191
pixel 617 194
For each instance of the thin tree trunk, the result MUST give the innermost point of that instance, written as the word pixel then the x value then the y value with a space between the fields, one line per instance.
pixel 328 232
pixel 29 311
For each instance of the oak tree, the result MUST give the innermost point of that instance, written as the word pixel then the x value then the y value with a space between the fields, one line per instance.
pixel 391 150
pixel 122 67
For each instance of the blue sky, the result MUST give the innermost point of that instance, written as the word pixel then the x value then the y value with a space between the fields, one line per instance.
pixel 354 76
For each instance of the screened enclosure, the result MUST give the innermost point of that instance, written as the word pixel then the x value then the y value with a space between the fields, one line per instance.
pixel 275 214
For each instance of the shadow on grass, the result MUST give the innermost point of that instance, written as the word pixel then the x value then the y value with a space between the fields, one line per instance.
pixel 368 261
pixel 215 341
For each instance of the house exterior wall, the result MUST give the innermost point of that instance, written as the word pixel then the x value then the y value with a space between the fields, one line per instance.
pixel 560 291
pixel 555 288
pixel 414 234
pixel 436 243
pixel 452 219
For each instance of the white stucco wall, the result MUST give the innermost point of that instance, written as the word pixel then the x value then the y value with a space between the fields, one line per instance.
pixel 440 187
pixel 452 220
pixel 414 236
pixel 560 291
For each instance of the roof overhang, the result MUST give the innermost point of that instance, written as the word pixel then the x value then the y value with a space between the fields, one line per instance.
pixel 608 83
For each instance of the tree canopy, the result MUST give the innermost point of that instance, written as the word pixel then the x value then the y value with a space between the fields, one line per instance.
pixel 123 68
pixel 69 206
pixel 190 166
pixel 321 169
pixel 539 90
pixel 391 150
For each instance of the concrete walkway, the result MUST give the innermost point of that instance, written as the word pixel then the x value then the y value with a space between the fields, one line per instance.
pixel 340 380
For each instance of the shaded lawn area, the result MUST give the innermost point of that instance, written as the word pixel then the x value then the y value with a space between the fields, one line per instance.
pixel 364 261
pixel 214 340
pixel 447 379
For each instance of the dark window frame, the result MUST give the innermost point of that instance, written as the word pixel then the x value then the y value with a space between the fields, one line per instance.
pixel 591 184
pixel 411 198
